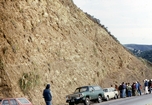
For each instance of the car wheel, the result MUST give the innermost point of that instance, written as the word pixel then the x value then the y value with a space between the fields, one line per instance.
pixel 87 101
pixel 107 98
pixel 99 99
pixel 71 103
pixel 116 96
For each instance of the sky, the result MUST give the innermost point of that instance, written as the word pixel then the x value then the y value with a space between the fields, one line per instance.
pixel 130 21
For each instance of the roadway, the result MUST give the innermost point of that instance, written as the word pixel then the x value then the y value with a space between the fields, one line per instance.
pixel 134 100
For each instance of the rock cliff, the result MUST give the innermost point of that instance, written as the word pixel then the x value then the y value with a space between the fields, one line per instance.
pixel 53 41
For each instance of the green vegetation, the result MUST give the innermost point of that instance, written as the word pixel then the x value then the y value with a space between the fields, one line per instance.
pixel 14 49
pixel 4 49
pixel 146 55
pixel 143 51
pixel 69 83
pixel 29 81
pixel 95 51
pixel 21 10
pixel 139 47
pixel 95 20
pixel 146 62
pixel 13 46
pixel 98 74
pixel 1 64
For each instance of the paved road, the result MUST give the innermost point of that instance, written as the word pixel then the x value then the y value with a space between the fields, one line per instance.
pixel 135 100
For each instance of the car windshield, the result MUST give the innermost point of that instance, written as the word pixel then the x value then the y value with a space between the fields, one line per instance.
pixel 23 100
pixel 82 89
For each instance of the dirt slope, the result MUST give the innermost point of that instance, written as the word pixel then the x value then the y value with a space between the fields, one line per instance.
pixel 53 41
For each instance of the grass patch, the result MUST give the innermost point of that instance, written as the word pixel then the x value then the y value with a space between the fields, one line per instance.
pixel 98 74
pixel 4 50
pixel 28 81
pixel 94 51
pixel 1 64
pixel 146 62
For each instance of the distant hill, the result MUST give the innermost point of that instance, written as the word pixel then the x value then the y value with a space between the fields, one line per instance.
pixel 146 55
pixel 143 51
pixel 138 47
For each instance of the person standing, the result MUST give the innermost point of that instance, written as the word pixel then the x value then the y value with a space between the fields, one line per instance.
pixel 126 89
pixel 47 95
pixel 149 86
pixel 129 88
pixel 139 88
pixel 116 87
pixel 146 86
pixel 120 90
pixel 123 90
pixel 136 88
pixel 133 89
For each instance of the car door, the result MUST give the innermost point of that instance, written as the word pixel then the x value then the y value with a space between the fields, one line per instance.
pixel 13 102
pixel 112 93
pixel 92 93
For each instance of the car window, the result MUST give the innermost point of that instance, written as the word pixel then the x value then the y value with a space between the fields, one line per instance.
pixel 97 88
pixel 23 100
pixel 13 102
pixel 77 90
pixel 82 89
pixel 91 89
pixel 105 90
pixel 113 89
pixel 110 90
pixel 5 102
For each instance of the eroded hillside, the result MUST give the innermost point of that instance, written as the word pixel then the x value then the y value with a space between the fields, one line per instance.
pixel 53 41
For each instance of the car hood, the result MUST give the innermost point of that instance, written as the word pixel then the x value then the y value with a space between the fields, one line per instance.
pixel 74 95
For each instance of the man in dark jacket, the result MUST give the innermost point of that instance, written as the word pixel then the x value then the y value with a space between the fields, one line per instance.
pixel 47 95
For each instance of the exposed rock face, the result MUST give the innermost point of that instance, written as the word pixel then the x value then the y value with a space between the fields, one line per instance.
pixel 52 41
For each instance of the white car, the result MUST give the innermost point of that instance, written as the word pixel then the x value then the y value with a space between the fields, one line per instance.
pixel 110 93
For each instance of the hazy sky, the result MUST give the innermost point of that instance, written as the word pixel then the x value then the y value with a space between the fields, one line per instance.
pixel 130 21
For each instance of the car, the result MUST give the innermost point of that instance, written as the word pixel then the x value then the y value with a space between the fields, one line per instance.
pixel 110 93
pixel 85 94
pixel 14 101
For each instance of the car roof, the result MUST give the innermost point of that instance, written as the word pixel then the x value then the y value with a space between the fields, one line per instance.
pixel 82 87
pixel 13 98
pixel 19 99
pixel 109 88
pixel 6 98
pixel 89 86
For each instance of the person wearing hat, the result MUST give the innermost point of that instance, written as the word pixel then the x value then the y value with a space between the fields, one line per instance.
pixel 47 95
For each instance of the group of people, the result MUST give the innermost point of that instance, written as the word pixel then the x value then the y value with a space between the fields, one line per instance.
pixel 134 89
pixel 148 86
pixel 128 90
pixel 125 89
